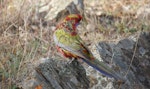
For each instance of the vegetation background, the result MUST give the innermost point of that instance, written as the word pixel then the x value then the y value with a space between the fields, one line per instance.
pixel 25 35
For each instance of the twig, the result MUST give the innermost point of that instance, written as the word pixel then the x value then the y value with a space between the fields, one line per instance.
pixel 132 58
pixel 133 54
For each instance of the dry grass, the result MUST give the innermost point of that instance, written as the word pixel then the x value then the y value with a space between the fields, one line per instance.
pixel 25 37
pixel 23 40
pixel 114 19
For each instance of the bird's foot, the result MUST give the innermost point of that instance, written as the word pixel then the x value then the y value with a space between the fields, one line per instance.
pixel 70 61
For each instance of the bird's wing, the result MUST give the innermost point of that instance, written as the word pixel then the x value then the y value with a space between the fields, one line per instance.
pixel 73 44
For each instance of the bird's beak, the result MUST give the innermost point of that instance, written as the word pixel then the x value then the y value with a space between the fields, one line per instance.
pixel 77 24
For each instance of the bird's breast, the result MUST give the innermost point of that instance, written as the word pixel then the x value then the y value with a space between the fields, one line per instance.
pixel 60 36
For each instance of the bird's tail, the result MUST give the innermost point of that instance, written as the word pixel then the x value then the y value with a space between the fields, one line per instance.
pixel 102 68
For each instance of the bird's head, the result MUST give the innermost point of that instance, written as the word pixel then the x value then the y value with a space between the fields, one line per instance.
pixel 72 20
pixel 70 23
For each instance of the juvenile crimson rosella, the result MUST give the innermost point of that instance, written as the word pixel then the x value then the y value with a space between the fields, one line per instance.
pixel 69 43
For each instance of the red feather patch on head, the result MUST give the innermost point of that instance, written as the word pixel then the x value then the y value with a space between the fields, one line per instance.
pixel 75 17
pixel 72 21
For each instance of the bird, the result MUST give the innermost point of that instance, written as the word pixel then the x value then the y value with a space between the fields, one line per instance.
pixel 70 45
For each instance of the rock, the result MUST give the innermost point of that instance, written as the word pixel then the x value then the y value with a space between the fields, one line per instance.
pixel 121 54
pixel 56 74
pixel 57 7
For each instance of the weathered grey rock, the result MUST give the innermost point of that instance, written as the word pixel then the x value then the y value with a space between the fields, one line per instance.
pixel 60 7
pixel 121 55
pixel 56 74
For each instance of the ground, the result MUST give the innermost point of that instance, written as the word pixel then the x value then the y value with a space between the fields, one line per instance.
pixel 25 35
